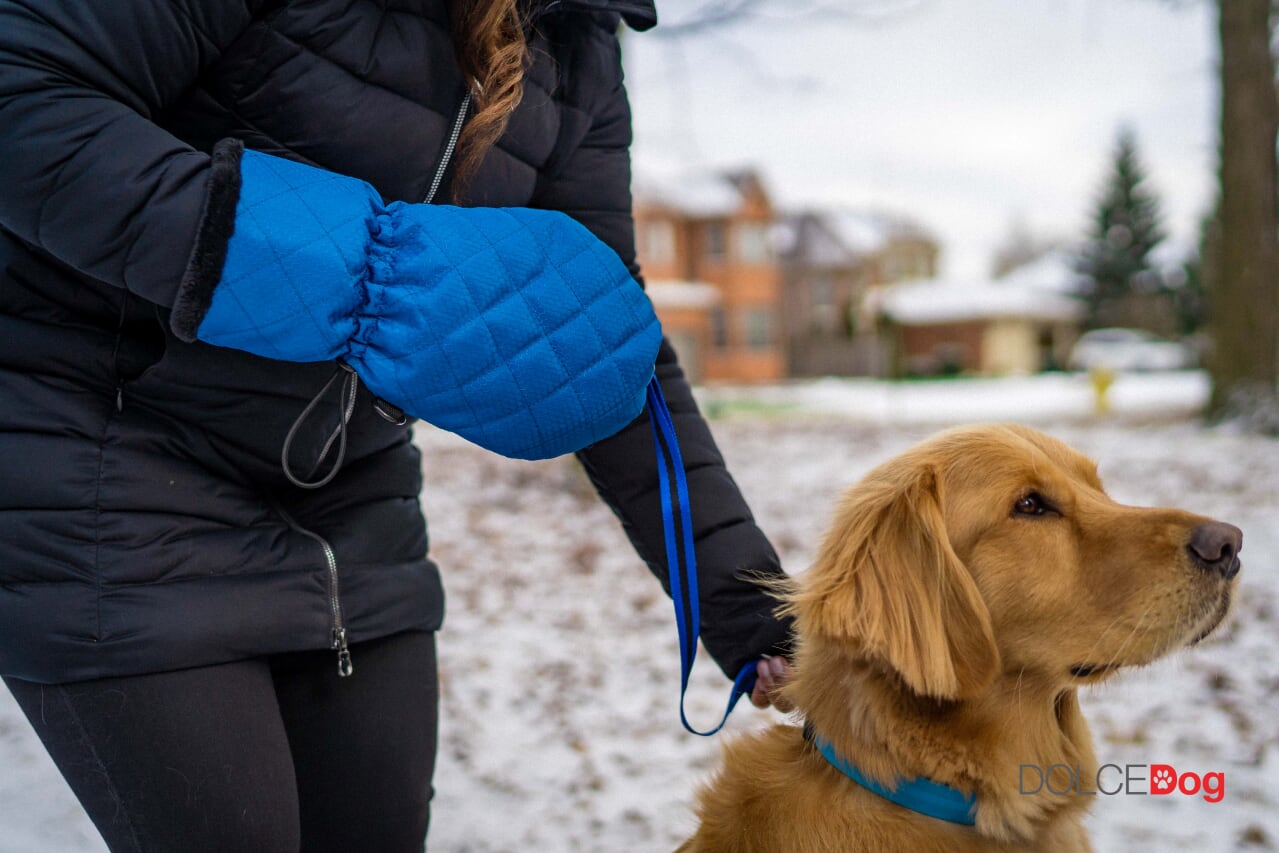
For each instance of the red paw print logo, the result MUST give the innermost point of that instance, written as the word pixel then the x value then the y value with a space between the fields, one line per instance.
pixel 1162 781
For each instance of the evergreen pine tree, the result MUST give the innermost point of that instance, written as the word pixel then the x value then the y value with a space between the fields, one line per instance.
pixel 1125 228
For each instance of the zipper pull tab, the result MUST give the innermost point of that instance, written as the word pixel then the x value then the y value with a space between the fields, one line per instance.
pixel 119 398
pixel 390 413
pixel 345 667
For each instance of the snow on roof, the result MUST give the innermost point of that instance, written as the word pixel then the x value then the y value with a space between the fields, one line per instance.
pixel 682 294
pixel 809 239
pixel 932 301
pixel 1053 271
pixel 700 194
pixel 867 231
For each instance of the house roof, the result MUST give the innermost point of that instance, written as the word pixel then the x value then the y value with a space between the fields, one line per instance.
pixel 934 301
pixel 805 238
pixel 866 231
pixel 841 237
pixel 1053 271
pixel 704 195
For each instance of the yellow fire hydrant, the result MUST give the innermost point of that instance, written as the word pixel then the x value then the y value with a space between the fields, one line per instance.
pixel 1102 378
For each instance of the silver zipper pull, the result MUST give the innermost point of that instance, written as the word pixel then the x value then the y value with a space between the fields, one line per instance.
pixel 345 667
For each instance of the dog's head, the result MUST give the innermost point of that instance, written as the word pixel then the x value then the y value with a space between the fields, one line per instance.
pixel 995 549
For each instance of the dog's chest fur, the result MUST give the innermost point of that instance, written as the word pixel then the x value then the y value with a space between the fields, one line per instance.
pixel 775 793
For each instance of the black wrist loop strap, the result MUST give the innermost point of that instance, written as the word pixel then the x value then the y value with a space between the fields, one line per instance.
pixel 346 406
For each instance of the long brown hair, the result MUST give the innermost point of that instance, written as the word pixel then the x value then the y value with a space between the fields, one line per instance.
pixel 488 38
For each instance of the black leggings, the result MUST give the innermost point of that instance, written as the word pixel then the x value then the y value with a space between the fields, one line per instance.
pixel 264 755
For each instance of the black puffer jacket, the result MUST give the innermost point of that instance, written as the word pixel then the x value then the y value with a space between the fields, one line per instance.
pixel 145 523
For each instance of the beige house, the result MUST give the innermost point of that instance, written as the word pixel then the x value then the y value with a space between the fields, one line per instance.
pixel 1023 323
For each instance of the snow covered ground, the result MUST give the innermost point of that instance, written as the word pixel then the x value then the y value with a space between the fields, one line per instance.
pixel 560 669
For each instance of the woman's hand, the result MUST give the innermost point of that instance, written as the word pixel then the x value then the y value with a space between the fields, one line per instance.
pixel 770 676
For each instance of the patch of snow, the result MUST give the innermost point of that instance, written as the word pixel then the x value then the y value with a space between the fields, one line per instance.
pixel 1039 399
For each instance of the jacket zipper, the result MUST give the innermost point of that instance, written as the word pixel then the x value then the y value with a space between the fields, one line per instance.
pixel 337 638
pixel 389 411
pixel 449 147
pixel 115 352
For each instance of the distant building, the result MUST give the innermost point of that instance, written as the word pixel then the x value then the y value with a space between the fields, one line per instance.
pixel 1023 323
pixel 830 262
pixel 706 242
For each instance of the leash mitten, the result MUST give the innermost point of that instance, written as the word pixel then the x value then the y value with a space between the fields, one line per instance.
pixel 515 328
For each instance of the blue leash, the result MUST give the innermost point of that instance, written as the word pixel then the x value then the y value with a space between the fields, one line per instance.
pixel 920 795
pixel 681 561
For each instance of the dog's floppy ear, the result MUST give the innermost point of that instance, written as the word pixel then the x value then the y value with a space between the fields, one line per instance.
pixel 888 582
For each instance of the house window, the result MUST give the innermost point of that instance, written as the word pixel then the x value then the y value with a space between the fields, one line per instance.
pixel 925 265
pixel 892 269
pixel 690 357
pixel 719 328
pixel 759 328
pixel 919 266
pixel 823 292
pixel 716 241
pixel 824 319
pixel 658 243
pixel 753 243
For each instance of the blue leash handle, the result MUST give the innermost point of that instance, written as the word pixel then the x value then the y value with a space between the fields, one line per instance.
pixel 681 559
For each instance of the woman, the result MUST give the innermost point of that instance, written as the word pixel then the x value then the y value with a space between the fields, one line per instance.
pixel 212 236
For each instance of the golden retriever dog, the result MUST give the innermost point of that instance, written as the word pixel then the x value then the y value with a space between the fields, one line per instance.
pixel 965 592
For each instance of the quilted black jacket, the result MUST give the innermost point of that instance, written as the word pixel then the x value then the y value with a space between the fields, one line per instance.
pixel 145 523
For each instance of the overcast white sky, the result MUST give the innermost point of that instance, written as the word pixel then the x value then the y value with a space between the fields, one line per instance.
pixel 964 114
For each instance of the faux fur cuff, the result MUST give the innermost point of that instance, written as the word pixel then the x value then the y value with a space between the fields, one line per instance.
pixel 217 222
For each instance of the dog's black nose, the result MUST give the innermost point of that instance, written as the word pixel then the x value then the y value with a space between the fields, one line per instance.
pixel 1215 547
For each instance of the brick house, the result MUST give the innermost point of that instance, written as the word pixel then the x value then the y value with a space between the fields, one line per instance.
pixel 705 243
pixel 831 261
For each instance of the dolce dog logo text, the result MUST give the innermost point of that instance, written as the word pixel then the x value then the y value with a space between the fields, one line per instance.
pixel 1129 779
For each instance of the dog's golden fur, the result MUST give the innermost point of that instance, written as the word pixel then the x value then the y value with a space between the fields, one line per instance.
pixel 943 633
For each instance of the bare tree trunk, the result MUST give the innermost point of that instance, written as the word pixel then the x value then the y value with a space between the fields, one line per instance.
pixel 1245 298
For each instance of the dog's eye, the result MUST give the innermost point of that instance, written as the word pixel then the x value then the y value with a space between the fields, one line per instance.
pixel 1031 504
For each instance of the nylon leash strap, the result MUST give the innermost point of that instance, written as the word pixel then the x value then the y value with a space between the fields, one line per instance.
pixel 681 559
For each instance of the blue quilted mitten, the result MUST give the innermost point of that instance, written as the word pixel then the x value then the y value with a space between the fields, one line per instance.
pixel 514 328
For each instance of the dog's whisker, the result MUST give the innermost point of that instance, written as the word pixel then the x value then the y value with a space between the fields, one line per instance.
pixel 1115 659
pixel 1137 628
pixel 1119 621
